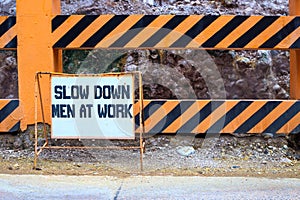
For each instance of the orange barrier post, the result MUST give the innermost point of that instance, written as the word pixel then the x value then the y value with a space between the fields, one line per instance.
pixel 35 52
pixel 294 6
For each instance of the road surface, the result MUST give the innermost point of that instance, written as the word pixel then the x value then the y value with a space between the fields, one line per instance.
pixel 146 187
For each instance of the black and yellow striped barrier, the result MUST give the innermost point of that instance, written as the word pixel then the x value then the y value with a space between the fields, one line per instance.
pixel 165 31
pixel 170 31
pixel 220 116
pixel 11 116
pixel 176 31
pixel 8 32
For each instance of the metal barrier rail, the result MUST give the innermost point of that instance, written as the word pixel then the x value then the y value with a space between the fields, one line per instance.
pixel 176 31
pixel 165 31
pixel 220 116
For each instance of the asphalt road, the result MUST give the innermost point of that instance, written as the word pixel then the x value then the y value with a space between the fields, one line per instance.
pixel 146 187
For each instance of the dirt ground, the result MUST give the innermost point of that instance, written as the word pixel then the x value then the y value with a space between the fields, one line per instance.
pixel 248 158
pixel 50 167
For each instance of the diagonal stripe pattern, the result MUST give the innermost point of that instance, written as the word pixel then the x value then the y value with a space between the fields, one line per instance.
pixel 220 116
pixel 10 115
pixel 8 32
pixel 176 31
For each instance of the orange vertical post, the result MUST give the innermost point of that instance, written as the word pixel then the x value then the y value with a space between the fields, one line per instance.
pixel 35 52
pixel 58 63
pixel 294 6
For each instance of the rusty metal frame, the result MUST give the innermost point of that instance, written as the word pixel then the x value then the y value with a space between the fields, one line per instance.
pixel 38 97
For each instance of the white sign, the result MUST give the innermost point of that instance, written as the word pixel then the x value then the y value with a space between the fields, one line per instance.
pixel 99 107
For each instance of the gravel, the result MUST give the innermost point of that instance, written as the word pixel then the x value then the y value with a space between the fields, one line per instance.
pixel 166 154
pixel 263 7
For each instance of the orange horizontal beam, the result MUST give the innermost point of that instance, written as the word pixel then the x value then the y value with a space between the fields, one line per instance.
pixel 175 31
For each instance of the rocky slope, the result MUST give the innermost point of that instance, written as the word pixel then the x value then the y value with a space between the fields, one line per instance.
pixel 236 74
pixel 241 74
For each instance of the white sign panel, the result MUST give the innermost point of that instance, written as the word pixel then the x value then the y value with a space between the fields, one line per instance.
pixel 93 107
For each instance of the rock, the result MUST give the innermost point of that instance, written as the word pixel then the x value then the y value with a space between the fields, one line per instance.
pixel 131 68
pixel 241 83
pixel 11 61
pixel 249 10
pixel 16 166
pixel 230 3
pixel 8 75
pixel 195 3
pixel 297 156
pixel 286 160
pixel 18 143
pixel 241 63
pixel 154 143
pixel 41 141
pixel 27 143
pixel 264 57
pixel 267 135
pixel 276 87
pixel 77 164
pixel 241 135
pixel 150 2
pixel 185 151
pixel 259 150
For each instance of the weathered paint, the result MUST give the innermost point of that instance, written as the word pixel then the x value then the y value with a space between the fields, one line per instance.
pixel 176 31
pixel 35 52
pixel 294 6
pixel 220 116
pixel 11 115
pixel 8 32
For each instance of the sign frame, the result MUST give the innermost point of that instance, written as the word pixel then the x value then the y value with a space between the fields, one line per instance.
pixel 38 97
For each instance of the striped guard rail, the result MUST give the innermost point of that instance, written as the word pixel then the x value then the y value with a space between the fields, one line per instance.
pixel 176 31
pixel 8 32
pixel 220 116
pixel 11 115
